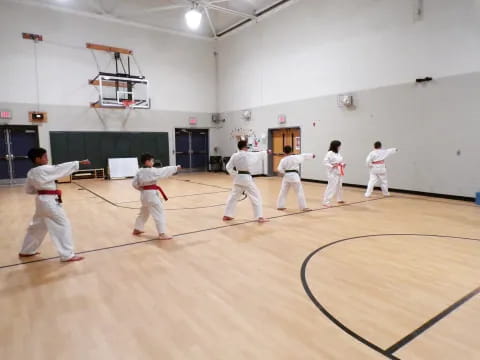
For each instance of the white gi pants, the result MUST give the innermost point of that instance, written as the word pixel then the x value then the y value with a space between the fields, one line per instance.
pixel 297 188
pixel 49 217
pixel 151 205
pixel 250 188
pixel 334 188
pixel 377 175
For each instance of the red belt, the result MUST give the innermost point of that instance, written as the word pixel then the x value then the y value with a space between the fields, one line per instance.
pixel 341 168
pixel 155 187
pixel 51 192
pixel 378 162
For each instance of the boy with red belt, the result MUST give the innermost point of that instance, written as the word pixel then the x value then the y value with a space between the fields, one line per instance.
pixel 146 182
pixel 49 214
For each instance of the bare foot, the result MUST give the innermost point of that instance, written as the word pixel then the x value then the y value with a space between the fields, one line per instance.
pixel 75 258
pixel 164 237
pixel 137 232
pixel 326 205
pixel 262 220
pixel 28 255
pixel 307 209
pixel 281 209
pixel 227 218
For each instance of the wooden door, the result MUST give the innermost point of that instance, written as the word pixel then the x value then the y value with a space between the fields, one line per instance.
pixel 282 138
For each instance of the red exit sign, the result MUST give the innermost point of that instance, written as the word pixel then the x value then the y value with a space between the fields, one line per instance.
pixel 5 114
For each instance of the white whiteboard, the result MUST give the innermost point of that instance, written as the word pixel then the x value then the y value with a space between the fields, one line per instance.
pixel 122 167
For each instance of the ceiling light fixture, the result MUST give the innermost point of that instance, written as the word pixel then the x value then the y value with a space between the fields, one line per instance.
pixel 193 17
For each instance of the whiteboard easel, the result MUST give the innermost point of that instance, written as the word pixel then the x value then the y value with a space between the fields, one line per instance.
pixel 120 168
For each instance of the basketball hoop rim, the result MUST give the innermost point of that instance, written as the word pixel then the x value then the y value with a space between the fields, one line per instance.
pixel 128 103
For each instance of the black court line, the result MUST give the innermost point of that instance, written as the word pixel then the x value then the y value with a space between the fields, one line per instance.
pixel 199 183
pixel 192 232
pixel 337 322
pixel 180 196
pixel 402 342
pixel 137 208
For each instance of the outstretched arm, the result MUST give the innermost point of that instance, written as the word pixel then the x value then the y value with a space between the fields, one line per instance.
pixel 52 173
pixel 306 156
pixel 166 171
pixel 390 151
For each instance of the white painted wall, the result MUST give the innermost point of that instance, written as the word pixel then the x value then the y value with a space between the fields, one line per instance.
pixel 315 48
pixel 181 69
pixel 297 61
pixel 428 123
pixel 293 63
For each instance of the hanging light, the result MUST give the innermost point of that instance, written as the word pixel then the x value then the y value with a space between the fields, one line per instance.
pixel 193 17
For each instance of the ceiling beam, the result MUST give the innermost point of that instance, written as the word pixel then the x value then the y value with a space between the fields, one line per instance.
pixel 152 10
pixel 215 1
pixel 258 16
pixel 229 11
pixel 214 32
pixel 233 27
pixel 108 18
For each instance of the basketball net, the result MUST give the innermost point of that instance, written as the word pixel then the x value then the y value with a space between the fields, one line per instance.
pixel 128 104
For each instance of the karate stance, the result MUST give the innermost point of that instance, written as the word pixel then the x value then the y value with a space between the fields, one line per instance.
pixel 378 171
pixel 146 181
pixel 49 214
pixel 289 166
pixel 239 167
pixel 335 170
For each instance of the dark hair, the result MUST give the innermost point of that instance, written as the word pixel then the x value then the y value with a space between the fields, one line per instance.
pixel 242 144
pixel 35 153
pixel 377 145
pixel 145 157
pixel 287 149
pixel 334 145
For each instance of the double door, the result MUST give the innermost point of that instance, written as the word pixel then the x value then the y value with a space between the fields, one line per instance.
pixel 281 138
pixel 15 141
pixel 191 148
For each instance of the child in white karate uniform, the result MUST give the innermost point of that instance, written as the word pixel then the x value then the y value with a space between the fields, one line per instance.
pixel 289 167
pixel 146 182
pixel 378 171
pixel 333 161
pixel 49 213
pixel 239 167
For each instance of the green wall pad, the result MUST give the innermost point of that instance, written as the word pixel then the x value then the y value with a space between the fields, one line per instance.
pixel 99 146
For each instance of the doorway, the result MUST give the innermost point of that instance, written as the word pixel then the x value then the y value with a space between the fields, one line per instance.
pixel 15 141
pixel 278 139
pixel 191 149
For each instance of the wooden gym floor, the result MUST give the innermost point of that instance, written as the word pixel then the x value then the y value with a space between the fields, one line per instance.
pixel 394 278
